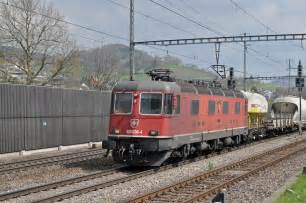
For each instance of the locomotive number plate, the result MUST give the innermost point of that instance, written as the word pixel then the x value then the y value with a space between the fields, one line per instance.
pixel 134 132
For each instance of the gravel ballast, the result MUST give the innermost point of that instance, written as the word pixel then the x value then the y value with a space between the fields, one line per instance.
pixel 135 188
pixel 43 175
pixel 257 188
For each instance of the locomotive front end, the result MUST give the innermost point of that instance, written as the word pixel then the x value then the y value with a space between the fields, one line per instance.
pixel 138 130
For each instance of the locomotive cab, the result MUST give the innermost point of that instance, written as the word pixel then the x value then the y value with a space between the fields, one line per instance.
pixel 139 119
pixel 140 113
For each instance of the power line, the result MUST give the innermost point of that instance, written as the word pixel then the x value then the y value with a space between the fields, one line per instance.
pixel 267 27
pixel 88 38
pixel 195 22
pixel 263 55
pixel 96 31
pixel 178 54
pixel 152 47
pixel 252 16
pixel 151 17
pixel 253 50
pixel 186 18
pixel 189 6
pixel 174 6
pixel 69 23
pixel 163 22
pixel 102 32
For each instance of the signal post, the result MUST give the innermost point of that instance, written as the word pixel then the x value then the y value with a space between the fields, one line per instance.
pixel 299 83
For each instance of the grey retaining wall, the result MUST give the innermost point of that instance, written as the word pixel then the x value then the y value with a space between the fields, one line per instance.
pixel 34 117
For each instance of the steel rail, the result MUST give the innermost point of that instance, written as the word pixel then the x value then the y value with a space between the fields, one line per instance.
pixel 91 188
pixel 51 160
pixel 213 178
pixel 231 182
pixel 103 185
pixel 3 165
pixel 53 185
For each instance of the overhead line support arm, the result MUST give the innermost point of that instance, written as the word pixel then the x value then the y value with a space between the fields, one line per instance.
pixel 225 39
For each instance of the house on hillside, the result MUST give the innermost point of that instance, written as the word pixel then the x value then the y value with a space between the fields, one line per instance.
pixel 12 74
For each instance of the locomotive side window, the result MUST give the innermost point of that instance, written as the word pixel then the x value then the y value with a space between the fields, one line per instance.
pixel 237 107
pixel 123 103
pixel 211 107
pixel 168 101
pixel 151 103
pixel 178 104
pixel 194 107
pixel 112 103
pixel 225 107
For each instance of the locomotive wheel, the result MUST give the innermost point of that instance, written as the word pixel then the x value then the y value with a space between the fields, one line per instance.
pixel 185 151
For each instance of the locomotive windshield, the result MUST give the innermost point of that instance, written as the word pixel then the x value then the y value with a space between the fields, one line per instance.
pixel 151 103
pixel 123 103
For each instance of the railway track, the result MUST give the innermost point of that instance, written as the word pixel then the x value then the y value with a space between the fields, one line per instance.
pixel 104 184
pixel 69 194
pixel 203 186
pixel 53 185
pixel 51 160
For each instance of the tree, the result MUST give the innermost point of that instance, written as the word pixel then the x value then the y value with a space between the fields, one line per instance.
pixel 101 69
pixel 38 39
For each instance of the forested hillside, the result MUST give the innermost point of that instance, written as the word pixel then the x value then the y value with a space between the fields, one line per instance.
pixel 117 56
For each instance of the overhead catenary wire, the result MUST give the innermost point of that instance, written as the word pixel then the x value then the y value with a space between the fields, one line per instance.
pixel 256 19
pixel 163 22
pixel 189 6
pixel 267 27
pixel 152 18
pixel 88 38
pixel 69 23
pixel 174 5
pixel 96 30
pixel 112 35
pixel 182 55
pixel 93 30
pixel 186 18
pixel 198 23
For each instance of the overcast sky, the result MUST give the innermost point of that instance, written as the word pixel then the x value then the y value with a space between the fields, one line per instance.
pixel 265 58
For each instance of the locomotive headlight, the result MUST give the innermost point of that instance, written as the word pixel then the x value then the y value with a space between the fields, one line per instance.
pixel 153 133
pixel 116 131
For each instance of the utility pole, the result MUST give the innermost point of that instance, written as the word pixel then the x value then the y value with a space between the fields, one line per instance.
pixel 289 77
pixel 132 44
pixel 244 63
pixel 299 82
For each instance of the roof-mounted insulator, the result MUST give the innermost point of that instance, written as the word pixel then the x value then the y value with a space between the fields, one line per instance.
pixel 205 83
pixel 161 75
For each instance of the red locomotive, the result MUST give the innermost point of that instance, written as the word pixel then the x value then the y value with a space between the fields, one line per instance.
pixel 152 121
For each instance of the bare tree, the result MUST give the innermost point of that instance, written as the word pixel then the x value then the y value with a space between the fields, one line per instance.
pixel 104 73
pixel 38 39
